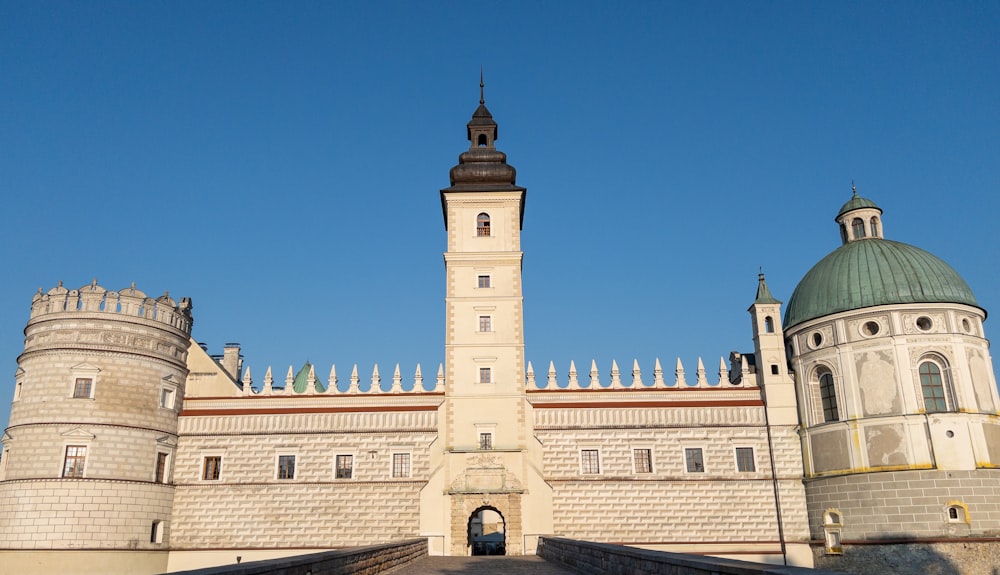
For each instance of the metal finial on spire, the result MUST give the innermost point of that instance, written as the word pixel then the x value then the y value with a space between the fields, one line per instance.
pixel 854 190
pixel 482 99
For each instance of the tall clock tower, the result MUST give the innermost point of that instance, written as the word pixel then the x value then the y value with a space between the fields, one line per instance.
pixel 489 459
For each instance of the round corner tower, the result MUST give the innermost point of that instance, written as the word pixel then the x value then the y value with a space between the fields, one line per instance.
pixel 897 401
pixel 88 453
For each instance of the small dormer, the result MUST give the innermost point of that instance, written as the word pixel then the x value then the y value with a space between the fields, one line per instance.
pixel 859 219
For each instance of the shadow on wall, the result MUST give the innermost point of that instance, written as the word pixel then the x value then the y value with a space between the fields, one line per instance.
pixel 907 559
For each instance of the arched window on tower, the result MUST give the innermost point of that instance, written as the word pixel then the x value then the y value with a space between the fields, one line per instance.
pixel 483 225
pixel 843 233
pixel 481 142
pixel 769 324
pixel 874 227
pixel 828 396
pixel 934 388
pixel 858 228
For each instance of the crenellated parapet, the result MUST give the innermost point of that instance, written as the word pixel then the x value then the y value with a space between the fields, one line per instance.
pixel 738 375
pixel 306 382
pixel 127 302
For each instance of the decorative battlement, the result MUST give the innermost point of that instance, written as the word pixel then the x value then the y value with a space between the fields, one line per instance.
pixel 738 375
pixel 305 382
pixel 128 302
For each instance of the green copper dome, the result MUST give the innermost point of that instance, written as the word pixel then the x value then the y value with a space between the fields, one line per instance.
pixel 872 272
pixel 855 203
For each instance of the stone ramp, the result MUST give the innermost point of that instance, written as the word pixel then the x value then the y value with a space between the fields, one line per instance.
pixel 488 565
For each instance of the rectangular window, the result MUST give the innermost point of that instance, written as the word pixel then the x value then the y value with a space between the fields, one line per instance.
pixel 4 458
pixel 590 461
pixel 167 398
pixel 745 461
pixel 286 467
pixel 83 387
pixel 485 441
pixel 156 533
pixel 484 281
pixel 400 464
pixel 643 459
pixel 485 323
pixel 345 466
pixel 485 374
pixel 211 469
pixel 161 468
pixel 694 460
pixel 76 457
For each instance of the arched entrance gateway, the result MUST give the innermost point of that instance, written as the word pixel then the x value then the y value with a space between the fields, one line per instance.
pixel 486 532
pixel 497 515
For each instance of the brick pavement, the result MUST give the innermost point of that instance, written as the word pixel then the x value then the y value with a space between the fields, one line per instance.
pixel 522 565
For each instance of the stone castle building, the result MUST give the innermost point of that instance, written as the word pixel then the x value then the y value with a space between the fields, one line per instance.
pixel 863 423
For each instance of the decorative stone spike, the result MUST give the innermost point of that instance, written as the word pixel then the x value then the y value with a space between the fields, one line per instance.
pixel 247 382
pixel 354 386
pixel 658 375
pixel 595 376
pixel 551 382
pixel 530 379
pixel 616 374
pixel 331 382
pixel 311 380
pixel 679 374
pixel 744 371
pixel 418 381
pixel 268 383
pixel 723 372
pixel 439 384
pixel 376 385
pixel 636 374
pixel 290 381
pixel 397 381
pixel 702 378
pixel 573 382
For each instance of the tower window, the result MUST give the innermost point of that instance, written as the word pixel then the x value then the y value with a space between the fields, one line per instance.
pixel 485 441
pixel 828 395
pixel 161 468
pixel 76 457
pixel 769 324
pixel 83 388
pixel 481 141
pixel 484 281
pixel 483 225
pixel 858 228
pixel 932 385
pixel 156 532
pixel 874 227
pixel 485 324
pixel 485 375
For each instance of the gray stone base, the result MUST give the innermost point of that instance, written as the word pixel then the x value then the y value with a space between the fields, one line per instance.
pixel 939 558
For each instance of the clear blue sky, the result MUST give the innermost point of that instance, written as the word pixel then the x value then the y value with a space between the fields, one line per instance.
pixel 280 163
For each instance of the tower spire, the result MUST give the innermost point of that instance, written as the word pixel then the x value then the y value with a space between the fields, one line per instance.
pixel 482 98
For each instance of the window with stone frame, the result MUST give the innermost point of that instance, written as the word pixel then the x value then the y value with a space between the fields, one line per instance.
pixel 400 464
pixel 484 281
pixel 75 460
pixel 828 397
pixel 932 384
pixel 642 460
pixel 83 388
pixel 211 468
pixel 160 475
pixel 485 324
pixel 858 227
pixel 483 225
pixel 694 460
pixel 485 375
pixel 485 440
pixel 286 466
pixel 746 462
pixel 345 467
pixel 590 461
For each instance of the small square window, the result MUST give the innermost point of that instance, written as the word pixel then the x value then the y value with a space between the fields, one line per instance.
pixel 694 460
pixel 745 460
pixel 590 461
pixel 286 467
pixel 400 464
pixel 643 459
pixel 485 441
pixel 345 466
pixel 485 375
pixel 485 323
pixel 161 468
pixel 76 458
pixel 484 281
pixel 83 388
pixel 211 468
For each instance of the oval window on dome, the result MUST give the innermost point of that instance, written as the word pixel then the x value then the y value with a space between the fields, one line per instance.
pixel 924 323
pixel 870 328
pixel 817 339
pixel 966 325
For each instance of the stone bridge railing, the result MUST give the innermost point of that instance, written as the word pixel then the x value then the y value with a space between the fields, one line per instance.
pixel 356 561
pixel 602 558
